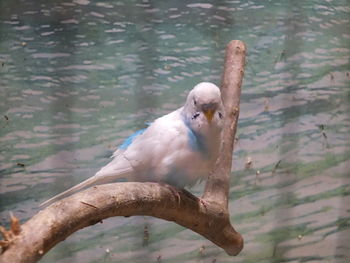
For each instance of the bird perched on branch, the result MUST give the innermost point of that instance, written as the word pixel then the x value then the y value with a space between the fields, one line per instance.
pixel 179 148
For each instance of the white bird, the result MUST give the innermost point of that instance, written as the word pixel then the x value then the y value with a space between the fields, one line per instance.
pixel 178 148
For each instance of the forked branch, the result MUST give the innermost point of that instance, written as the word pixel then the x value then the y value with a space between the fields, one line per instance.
pixel 208 216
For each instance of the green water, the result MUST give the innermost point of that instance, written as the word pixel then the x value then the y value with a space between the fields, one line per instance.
pixel 78 77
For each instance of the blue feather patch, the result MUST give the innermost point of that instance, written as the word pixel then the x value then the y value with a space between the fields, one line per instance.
pixel 130 139
pixel 196 142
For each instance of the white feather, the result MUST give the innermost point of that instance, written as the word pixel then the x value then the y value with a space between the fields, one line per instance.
pixel 179 148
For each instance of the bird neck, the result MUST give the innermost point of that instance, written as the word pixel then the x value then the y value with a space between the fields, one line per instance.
pixel 204 143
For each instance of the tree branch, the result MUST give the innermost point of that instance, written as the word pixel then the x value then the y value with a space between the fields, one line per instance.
pixel 217 187
pixel 208 216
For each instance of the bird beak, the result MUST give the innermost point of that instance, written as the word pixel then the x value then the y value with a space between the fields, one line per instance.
pixel 209 114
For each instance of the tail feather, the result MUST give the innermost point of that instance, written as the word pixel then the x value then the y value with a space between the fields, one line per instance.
pixel 95 180
pixel 89 182
pixel 112 172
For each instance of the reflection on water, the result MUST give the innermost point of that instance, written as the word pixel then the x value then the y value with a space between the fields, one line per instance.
pixel 77 77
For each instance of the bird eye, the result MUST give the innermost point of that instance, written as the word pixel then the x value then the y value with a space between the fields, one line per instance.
pixel 220 115
pixel 195 116
pixel 194 102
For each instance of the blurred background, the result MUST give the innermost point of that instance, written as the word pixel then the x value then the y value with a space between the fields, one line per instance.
pixel 77 77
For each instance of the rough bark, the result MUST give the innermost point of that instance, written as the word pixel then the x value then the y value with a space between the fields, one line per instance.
pixel 217 186
pixel 208 216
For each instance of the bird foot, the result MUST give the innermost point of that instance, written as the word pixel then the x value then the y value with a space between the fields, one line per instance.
pixel 200 200
pixel 204 203
pixel 174 191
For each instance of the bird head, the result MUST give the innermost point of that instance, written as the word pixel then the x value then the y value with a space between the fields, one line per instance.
pixel 204 106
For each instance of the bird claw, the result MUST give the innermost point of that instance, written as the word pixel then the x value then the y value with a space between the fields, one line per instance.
pixel 191 196
pixel 204 203
pixel 174 191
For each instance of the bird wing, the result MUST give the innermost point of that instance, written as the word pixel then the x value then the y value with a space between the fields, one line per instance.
pixel 118 168
pixel 135 157
pixel 127 142
pixel 163 153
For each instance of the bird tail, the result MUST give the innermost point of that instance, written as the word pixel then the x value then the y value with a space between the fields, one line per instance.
pixel 89 182
pixel 107 174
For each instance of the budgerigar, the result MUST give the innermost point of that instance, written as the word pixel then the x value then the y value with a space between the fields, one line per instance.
pixel 178 148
